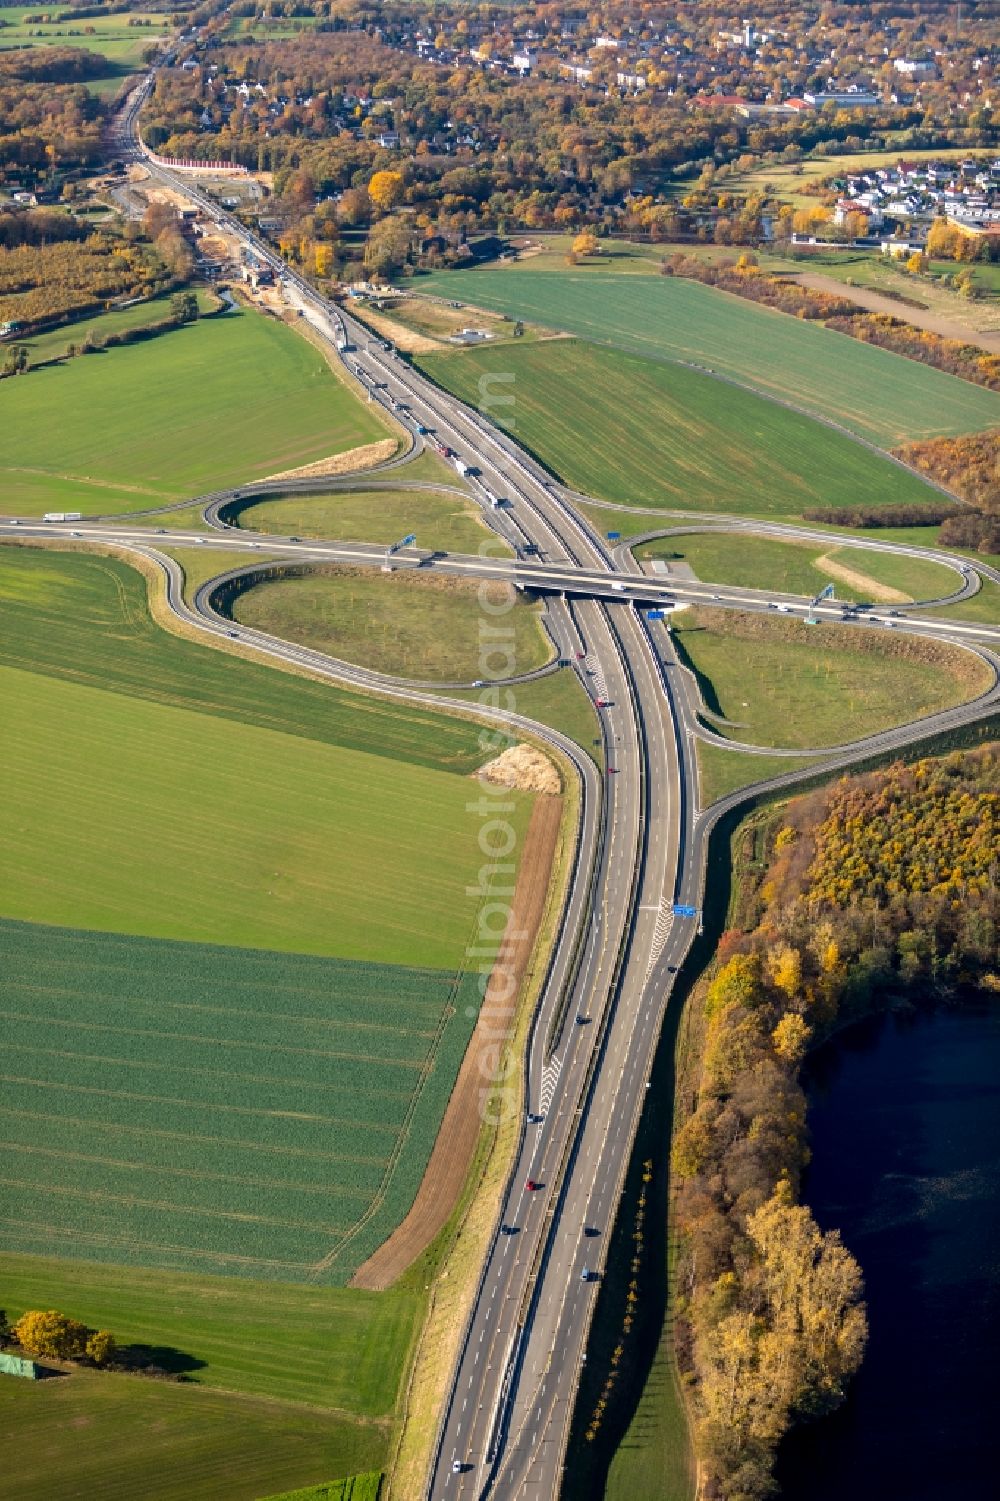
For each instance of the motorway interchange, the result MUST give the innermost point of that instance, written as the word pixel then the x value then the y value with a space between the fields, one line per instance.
pixel 641 854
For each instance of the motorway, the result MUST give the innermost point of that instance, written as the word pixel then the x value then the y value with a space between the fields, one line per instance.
pixel 642 848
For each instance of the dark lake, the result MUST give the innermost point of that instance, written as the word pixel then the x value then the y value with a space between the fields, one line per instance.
pixel 905 1122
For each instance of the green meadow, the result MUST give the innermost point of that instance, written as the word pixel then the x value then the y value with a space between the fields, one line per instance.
pixel 119 1437
pixel 109 35
pixel 643 432
pixel 787 685
pixel 881 396
pixel 220 401
pixel 173 823
pixel 85 620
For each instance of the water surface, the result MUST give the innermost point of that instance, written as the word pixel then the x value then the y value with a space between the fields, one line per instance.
pixel 905 1122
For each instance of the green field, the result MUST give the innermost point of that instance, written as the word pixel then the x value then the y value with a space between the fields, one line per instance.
pixel 120 1437
pixel 789 685
pixel 354 1488
pixel 445 522
pixel 792 567
pixel 52 344
pixel 883 397
pixel 84 619
pixel 161 752
pixel 224 1110
pixel 671 437
pixel 110 35
pixel 410 625
pixel 252 837
pixel 220 401
pixel 316 1346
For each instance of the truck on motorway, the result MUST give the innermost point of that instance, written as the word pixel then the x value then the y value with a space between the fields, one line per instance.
pixel 461 465
pixel 63 516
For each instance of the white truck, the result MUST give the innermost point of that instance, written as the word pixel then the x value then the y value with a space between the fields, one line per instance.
pixel 63 516
pixel 461 465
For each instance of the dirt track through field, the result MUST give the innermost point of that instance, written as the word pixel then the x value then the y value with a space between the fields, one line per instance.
pixel 935 323
pixel 452 1154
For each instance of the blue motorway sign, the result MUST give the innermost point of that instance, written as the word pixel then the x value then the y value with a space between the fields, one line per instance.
pixel 680 910
pixel 655 614
pixel 613 536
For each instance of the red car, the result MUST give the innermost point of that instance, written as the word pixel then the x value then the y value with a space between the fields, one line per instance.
pixel 612 771
pixel 531 1185
pixel 601 703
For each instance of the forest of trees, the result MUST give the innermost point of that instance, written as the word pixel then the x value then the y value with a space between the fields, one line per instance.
pixel 878 886
pixel 47 120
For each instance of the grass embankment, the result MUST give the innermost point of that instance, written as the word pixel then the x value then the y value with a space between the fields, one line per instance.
pixel 203 563
pixel 786 684
pixel 671 437
pixel 798 567
pixel 557 700
pixel 250 397
pixel 408 624
pixel 982 608
pixel 881 396
pixel 445 522
pixel 723 771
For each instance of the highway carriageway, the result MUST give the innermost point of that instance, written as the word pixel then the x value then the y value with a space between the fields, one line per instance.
pixel 536 577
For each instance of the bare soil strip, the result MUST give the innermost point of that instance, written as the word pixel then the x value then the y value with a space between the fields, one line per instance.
pixel 948 326
pixel 883 594
pixel 364 457
pixel 453 1150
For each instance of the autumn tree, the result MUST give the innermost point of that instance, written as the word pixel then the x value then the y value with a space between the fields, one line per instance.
pixel 101 1347
pixel 387 246
pixel 585 244
pixel 791 1038
pixel 51 1334
pixel 385 189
